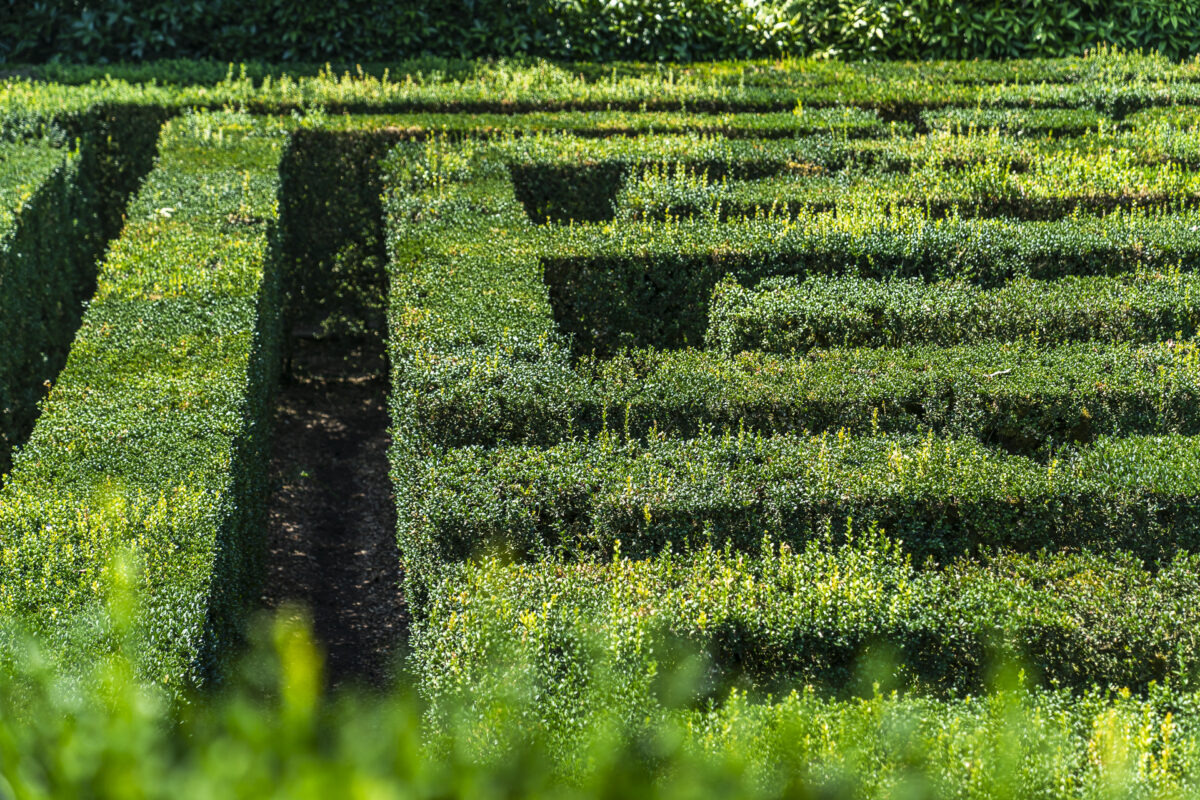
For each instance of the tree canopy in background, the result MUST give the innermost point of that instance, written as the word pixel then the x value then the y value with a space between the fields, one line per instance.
pixel 101 31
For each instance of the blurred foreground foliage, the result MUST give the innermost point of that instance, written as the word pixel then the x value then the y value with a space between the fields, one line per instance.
pixel 275 730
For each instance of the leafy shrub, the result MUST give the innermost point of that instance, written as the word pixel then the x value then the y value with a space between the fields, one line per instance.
pixel 676 30
pixel 787 315
pixel 66 731
pixel 941 497
pixel 153 438
pixel 654 30
pixel 772 619
pixel 987 29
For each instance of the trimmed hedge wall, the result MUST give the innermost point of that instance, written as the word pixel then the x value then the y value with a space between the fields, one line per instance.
pixel 64 198
pixel 505 439
pixel 1024 397
pixel 1018 122
pixel 791 315
pixel 819 617
pixel 940 497
pixel 153 439
pixel 1058 185
pixel 648 284
pixel 48 242
pixel 478 361
pixel 1114 85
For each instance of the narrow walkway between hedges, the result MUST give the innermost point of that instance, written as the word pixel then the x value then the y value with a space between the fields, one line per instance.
pixel 331 520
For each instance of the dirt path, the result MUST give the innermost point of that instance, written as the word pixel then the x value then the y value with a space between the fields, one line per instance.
pixel 331 521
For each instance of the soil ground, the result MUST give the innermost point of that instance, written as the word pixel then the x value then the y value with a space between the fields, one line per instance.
pixel 331 544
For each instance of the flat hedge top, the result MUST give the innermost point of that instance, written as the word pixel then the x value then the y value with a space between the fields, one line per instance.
pixel 135 447
pixel 24 166
pixel 1108 86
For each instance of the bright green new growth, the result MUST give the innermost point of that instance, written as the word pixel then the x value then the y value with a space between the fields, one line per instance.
pixel 152 438
pixel 703 426
pixel 553 410
pixel 788 315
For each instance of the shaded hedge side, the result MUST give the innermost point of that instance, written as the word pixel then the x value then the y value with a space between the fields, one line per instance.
pixel 153 439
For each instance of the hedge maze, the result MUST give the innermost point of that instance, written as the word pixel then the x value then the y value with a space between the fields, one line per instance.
pixel 778 371
pixel 789 433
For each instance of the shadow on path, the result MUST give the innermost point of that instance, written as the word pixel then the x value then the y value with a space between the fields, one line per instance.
pixel 331 537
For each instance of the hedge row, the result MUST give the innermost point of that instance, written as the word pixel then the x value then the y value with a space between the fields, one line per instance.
pixel 1106 66
pixel 465 293
pixel 789 315
pixel 821 617
pixel 846 123
pixel 570 178
pixel 940 497
pixel 481 297
pixel 1024 398
pixel 64 198
pixel 1057 185
pixel 641 284
pixel 485 366
pixel 900 95
pixel 1184 117
pixel 463 257
pixel 1018 121
pixel 48 242
pixel 152 440
pixel 980 174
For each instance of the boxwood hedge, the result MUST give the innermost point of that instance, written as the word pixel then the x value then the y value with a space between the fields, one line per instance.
pixel 940 496
pixel 152 439
pixel 633 284
pixel 793 315
pixel 481 299
pixel 821 616
pixel 1023 397
pixel 523 421
pixel 1057 185
pixel 48 241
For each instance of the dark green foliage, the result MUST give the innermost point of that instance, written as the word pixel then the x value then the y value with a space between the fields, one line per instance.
pixel 653 30
pixel 61 205
pixel 787 315
pixel 940 497
pixel 648 284
pixel 153 438
pixel 331 221
pixel 562 179
pixel 49 239
pixel 773 618
pixel 1022 397
pixel 671 30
